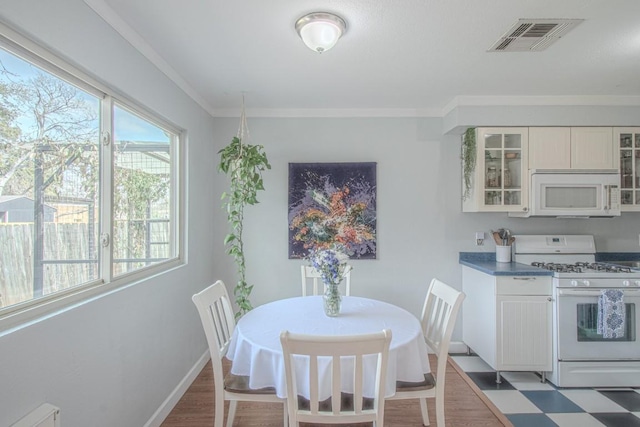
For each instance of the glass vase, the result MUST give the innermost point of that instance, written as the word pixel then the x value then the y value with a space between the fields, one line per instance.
pixel 331 299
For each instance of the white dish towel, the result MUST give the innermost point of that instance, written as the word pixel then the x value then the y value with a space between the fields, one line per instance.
pixel 611 313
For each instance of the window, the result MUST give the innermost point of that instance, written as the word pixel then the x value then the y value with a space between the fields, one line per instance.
pixel 142 192
pixel 88 184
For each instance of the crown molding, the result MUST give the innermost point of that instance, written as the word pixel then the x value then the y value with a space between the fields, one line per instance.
pixel 140 44
pixel 329 112
pixel 530 101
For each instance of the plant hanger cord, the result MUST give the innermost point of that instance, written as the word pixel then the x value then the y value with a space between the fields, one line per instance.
pixel 243 128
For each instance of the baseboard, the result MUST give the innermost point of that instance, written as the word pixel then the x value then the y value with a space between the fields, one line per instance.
pixel 457 347
pixel 172 400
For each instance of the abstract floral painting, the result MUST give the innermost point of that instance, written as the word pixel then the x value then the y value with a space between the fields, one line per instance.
pixel 332 204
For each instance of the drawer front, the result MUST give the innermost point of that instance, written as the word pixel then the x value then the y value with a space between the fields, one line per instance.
pixel 523 285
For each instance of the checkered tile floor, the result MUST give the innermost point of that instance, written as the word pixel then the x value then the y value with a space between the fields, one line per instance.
pixel 527 402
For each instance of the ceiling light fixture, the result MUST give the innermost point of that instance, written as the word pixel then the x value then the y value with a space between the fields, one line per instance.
pixel 320 30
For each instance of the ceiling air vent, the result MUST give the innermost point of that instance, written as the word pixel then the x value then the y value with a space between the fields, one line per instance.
pixel 533 34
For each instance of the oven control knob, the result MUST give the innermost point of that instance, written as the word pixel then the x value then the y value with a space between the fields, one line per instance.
pixel 586 283
pixel 625 283
pixel 574 283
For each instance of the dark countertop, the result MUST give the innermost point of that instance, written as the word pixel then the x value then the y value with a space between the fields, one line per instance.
pixel 486 262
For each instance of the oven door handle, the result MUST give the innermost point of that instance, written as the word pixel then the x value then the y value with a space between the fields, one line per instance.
pixel 592 292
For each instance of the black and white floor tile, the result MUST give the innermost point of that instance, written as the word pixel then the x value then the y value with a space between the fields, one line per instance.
pixel 527 402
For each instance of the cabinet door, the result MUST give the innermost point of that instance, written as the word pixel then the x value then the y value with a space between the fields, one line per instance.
pixel 628 141
pixel 478 314
pixel 593 148
pixel 524 333
pixel 502 179
pixel 549 148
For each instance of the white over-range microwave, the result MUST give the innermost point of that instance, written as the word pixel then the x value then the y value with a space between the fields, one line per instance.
pixel 573 193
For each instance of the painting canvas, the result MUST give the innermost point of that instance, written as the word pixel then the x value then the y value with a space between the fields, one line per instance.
pixel 332 204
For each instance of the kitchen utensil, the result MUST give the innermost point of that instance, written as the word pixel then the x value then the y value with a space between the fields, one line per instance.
pixel 504 234
pixel 496 237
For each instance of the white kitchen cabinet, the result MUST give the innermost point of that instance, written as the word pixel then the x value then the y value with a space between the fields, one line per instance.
pixel 500 179
pixel 628 140
pixel 507 320
pixel 593 148
pixel 572 148
pixel 549 148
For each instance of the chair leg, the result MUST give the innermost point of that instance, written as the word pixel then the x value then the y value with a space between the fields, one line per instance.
pixel 232 412
pixel 285 419
pixel 425 412
pixel 218 417
pixel 440 407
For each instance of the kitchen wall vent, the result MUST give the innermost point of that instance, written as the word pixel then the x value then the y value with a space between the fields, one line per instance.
pixel 533 34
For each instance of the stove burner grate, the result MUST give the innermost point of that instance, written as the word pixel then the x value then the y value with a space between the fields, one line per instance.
pixel 582 267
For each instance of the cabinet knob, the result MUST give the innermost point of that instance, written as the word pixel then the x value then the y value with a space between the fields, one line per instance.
pixel 525 209
pixel 549 299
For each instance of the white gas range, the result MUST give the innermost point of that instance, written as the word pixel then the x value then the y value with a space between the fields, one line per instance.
pixel 582 357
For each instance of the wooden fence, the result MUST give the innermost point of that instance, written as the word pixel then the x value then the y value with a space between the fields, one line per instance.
pixel 68 259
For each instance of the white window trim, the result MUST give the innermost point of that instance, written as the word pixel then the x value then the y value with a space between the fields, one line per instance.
pixel 21 315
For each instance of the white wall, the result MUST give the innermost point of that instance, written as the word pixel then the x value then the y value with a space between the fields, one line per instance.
pixel 421 228
pixel 114 360
pixel 411 168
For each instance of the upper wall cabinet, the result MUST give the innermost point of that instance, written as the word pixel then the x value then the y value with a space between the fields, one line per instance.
pixel 549 148
pixel 593 148
pixel 628 139
pixel 572 148
pixel 499 182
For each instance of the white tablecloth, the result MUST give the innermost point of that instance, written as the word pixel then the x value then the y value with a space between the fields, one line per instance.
pixel 256 351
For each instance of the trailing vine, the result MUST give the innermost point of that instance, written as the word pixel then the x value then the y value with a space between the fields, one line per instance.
pixel 244 164
pixel 468 160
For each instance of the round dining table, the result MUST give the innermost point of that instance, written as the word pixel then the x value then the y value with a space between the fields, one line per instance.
pixel 256 351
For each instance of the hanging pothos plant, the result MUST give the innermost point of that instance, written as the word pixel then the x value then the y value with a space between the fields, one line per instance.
pixel 244 164
pixel 468 160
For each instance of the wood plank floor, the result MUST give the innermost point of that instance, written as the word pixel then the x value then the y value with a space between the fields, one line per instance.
pixel 463 407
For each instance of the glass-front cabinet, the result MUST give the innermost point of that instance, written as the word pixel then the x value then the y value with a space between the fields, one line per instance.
pixel 629 142
pixel 500 176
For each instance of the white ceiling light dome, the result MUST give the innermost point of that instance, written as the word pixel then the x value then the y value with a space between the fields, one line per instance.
pixel 320 30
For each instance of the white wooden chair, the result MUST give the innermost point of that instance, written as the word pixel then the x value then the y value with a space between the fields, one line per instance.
pixel 340 408
pixel 311 276
pixel 438 319
pixel 218 321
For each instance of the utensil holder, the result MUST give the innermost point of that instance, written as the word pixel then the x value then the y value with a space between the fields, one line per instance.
pixel 503 253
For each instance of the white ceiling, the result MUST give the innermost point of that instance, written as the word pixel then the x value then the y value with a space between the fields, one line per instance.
pixel 397 57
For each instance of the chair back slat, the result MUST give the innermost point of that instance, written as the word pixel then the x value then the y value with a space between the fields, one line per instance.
pixel 311 276
pixel 313 384
pixel 336 385
pixel 336 350
pixel 357 386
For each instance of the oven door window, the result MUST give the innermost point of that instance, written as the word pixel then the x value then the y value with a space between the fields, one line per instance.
pixel 587 324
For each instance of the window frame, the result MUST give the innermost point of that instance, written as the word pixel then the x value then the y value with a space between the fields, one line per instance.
pixel 21 314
